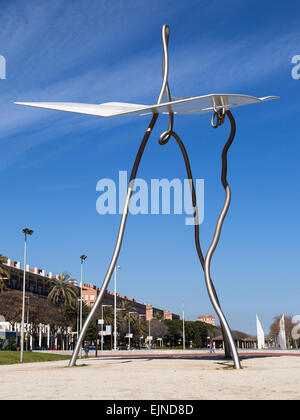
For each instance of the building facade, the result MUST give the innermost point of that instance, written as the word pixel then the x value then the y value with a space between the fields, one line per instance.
pixel 39 282
pixel 208 319
pixel 91 292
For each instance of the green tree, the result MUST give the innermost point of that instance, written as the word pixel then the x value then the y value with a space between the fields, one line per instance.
pixel 63 291
pixel 4 273
pixel 123 315
pixel 91 334
pixel 195 331
pixel 71 314
pixel 11 306
pixel 275 329
pixel 123 311
pixel 12 344
pixel 108 315
pixel 159 330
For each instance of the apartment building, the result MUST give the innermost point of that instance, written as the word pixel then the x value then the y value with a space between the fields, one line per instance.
pixel 208 319
pixel 39 282
pixel 90 294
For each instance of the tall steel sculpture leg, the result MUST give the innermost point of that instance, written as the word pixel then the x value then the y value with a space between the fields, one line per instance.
pixel 209 284
pixel 230 348
pixel 164 138
pixel 118 244
pixel 197 232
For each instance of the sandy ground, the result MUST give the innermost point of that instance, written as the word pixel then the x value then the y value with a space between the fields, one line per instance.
pixel 123 378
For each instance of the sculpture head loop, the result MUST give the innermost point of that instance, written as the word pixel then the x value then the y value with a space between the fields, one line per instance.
pixel 218 118
pixel 165 66
pixel 165 90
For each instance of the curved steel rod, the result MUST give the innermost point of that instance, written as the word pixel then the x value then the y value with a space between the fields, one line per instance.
pixel 197 230
pixel 163 139
pixel 165 85
pixel 209 283
pixel 119 241
pixel 165 89
pixel 228 340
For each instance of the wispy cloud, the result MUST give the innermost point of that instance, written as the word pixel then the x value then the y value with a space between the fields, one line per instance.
pixel 49 60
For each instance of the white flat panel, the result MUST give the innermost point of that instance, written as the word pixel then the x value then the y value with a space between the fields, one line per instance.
pixel 103 110
pixel 260 334
pixel 197 105
pixel 282 334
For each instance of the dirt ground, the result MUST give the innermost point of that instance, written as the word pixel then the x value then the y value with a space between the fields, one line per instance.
pixel 161 378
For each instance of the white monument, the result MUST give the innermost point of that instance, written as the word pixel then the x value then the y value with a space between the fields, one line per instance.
pixel 282 334
pixel 260 334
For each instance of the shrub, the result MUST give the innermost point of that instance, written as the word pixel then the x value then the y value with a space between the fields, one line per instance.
pixel 11 345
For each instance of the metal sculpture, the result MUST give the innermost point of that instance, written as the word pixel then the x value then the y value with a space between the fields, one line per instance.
pixel 220 105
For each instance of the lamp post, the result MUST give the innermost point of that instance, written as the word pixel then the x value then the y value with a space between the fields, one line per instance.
pixel 183 326
pixel 150 340
pixel 27 322
pixel 82 259
pixel 115 308
pixel 26 232
pixel 77 320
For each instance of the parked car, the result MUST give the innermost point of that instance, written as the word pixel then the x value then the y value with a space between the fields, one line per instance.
pixel 122 348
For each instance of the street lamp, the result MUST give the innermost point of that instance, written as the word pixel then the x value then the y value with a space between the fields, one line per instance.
pixel 82 259
pixel 183 326
pixel 129 336
pixel 27 232
pixel 115 308
pixel 150 340
pixel 27 323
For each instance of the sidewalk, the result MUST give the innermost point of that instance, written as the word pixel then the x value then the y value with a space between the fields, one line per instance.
pixel 192 353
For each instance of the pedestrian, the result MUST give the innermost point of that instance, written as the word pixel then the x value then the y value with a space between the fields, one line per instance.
pixel 86 350
pixel 211 346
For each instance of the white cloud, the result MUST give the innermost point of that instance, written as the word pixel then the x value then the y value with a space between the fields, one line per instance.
pixel 51 58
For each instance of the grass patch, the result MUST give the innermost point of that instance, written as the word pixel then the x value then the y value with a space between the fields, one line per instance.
pixel 13 357
pixel 228 368
pixel 79 366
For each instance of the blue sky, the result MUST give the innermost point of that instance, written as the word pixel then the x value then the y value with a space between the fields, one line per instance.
pixel 50 162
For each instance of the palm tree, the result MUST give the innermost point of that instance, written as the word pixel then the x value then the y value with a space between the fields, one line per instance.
pixel 108 315
pixel 63 291
pixel 123 311
pixel 4 273
pixel 126 312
